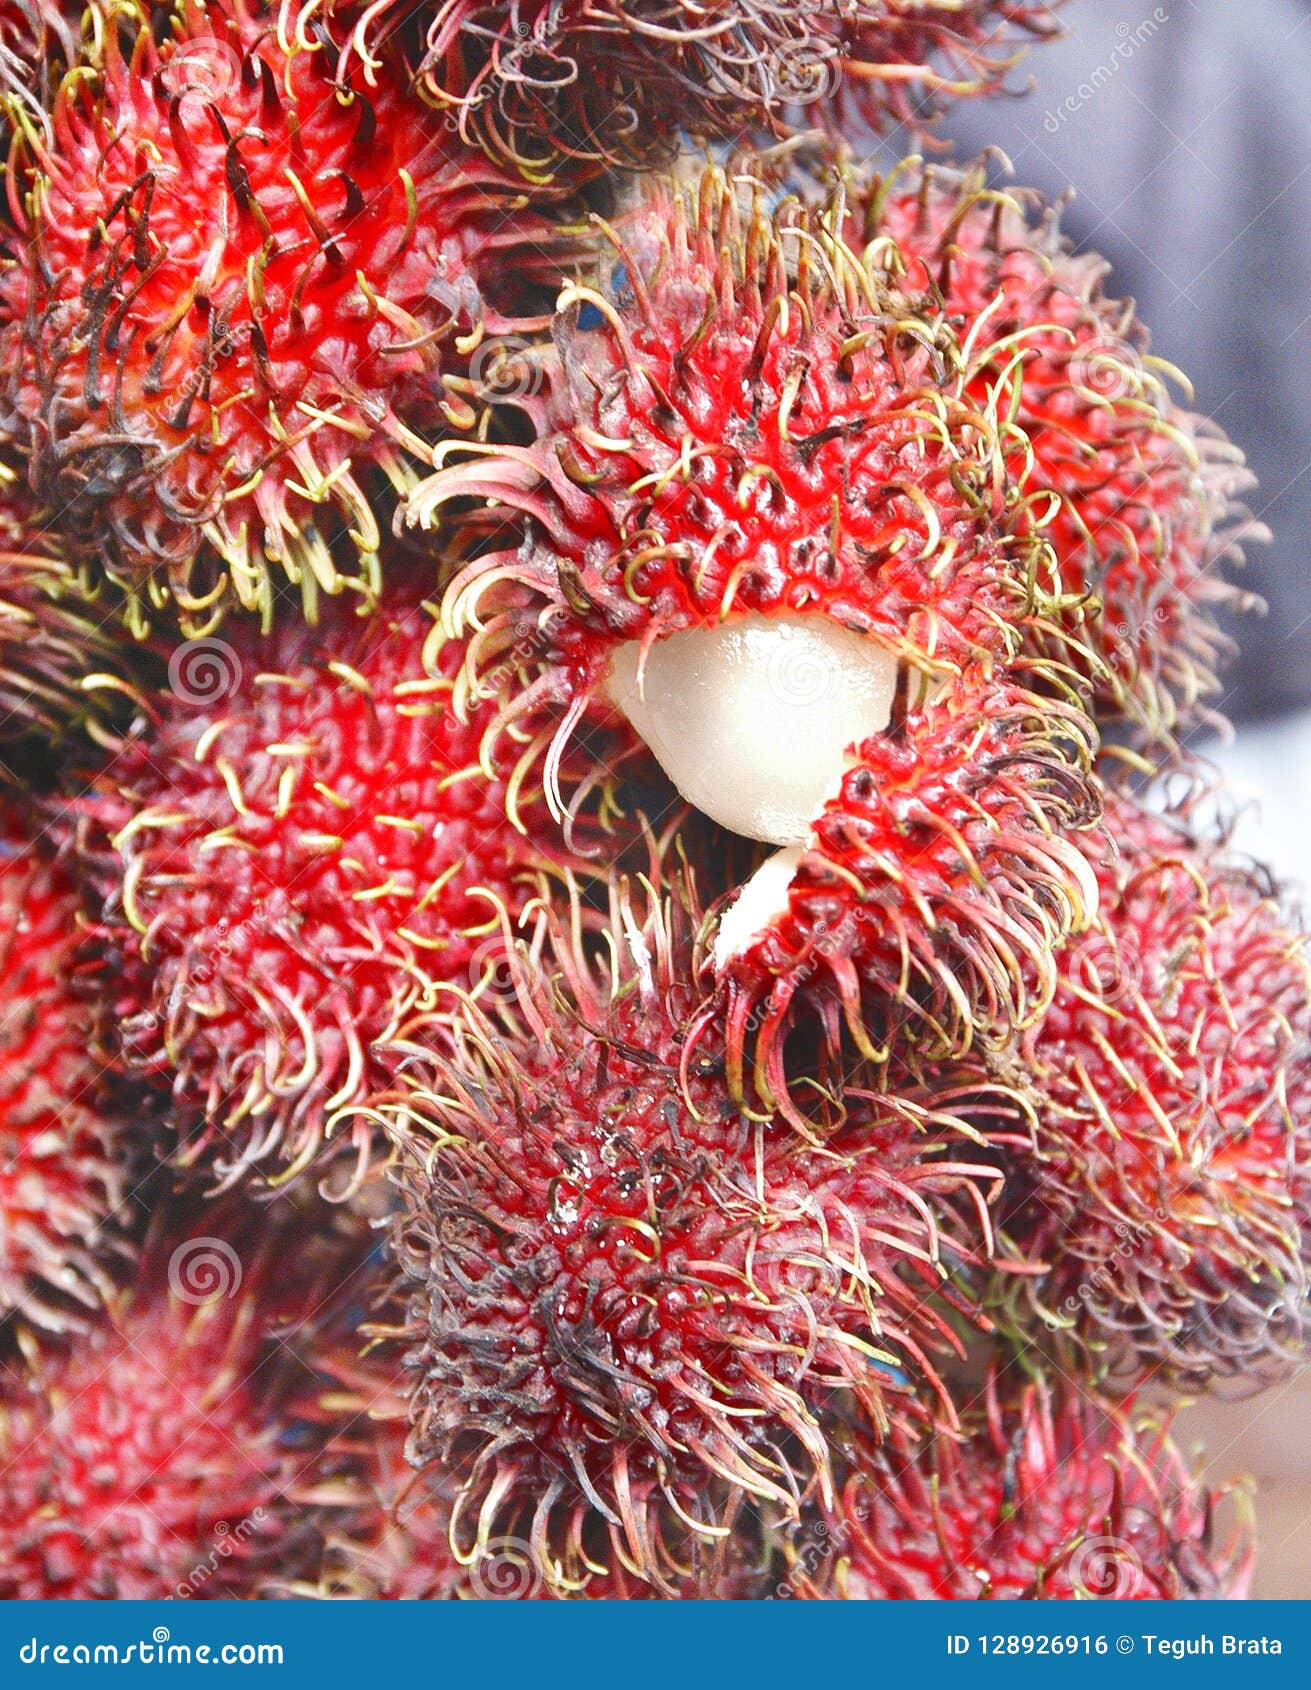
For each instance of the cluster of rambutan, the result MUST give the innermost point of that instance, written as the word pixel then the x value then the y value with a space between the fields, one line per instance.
pixel 551 714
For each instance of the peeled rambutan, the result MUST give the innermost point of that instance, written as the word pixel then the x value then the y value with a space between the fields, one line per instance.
pixel 148 1460
pixel 239 288
pixel 60 1152
pixel 631 1306
pixel 1048 1497
pixel 538 82
pixel 1143 518
pixel 1168 1191
pixel 288 865
pixel 768 518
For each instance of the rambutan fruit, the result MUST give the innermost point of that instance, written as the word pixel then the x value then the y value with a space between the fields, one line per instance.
pixel 386 1528
pixel 768 518
pixel 537 82
pixel 1049 1497
pixel 1169 1187
pixel 239 289
pixel 287 866
pixel 1143 517
pixel 631 1307
pixel 60 1152
pixel 148 1461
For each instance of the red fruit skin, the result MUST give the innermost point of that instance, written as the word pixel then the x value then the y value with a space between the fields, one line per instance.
pixel 61 1179
pixel 1145 519
pixel 552 84
pixel 630 1306
pixel 386 1529
pixel 1169 1190
pixel 730 384
pixel 959 830
pixel 287 868
pixel 694 437
pixel 1052 1497
pixel 141 1464
pixel 396 1547
pixel 238 288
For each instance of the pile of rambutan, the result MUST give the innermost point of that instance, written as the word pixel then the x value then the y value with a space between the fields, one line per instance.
pixel 614 983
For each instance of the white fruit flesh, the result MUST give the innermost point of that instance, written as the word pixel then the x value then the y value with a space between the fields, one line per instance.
pixel 753 720
pixel 758 905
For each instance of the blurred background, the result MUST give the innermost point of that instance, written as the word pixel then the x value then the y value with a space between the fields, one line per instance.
pixel 1186 128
